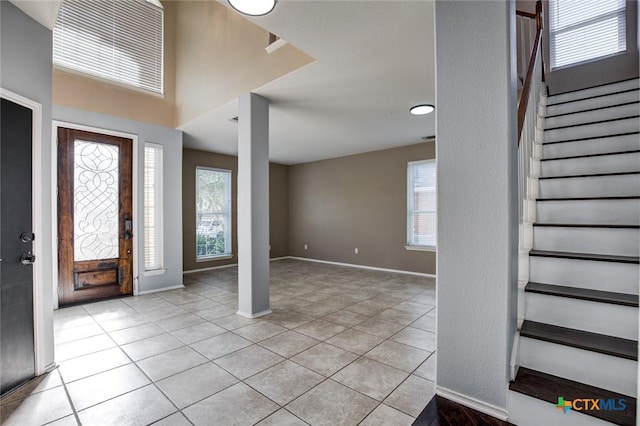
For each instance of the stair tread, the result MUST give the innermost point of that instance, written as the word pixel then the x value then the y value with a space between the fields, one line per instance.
pixel 619 197
pixel 589 175
pixel 591 122
pixel 586 256
pixel 549 388
pixel 582 225
pixel 600 154
pixel 592 109
pixel 597 85
pixel 591 137
pixel 622 299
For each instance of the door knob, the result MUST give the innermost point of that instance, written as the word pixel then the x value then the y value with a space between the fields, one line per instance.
pixel 27 237
pixel 27 258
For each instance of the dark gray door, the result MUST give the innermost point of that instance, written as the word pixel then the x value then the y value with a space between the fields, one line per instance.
pixel 17 358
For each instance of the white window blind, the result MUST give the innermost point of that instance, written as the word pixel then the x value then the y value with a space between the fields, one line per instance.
pixel 153 223
pixel 583 30
pixel 213 213
pixel 421 205
pixel 118 40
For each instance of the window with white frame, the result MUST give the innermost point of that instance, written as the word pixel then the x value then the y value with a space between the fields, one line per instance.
pixel 421 204
pixel 213 213
pixel 584 30
pixel 117 40
pixel 153 223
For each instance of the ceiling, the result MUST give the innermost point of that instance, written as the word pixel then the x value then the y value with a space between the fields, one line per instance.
pixel 374 60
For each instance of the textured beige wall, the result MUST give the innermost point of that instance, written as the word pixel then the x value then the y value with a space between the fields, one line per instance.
pixel 220 55
pixel 356 201
pixel 278 206
pixel 77 91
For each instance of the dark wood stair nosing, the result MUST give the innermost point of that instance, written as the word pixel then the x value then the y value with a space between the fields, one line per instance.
pixel 621 197
pixel 591 122
pixel 547 387
pixel 614 298
pixel 594 96
pixel 591 138
pixel 592 109
pixel 585 256
pixel 589 175
pixel 601 154
pixel 582 225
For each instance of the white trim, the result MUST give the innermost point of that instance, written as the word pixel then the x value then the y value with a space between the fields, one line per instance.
pixel 476 404
pixel 421 248
pixel 159 290
pixel 275 45
pixel 257 315
pixel 230 265
pixel 155 272
pixel 214 258
pixel 373 268
pixel 54 199
pixel 39 322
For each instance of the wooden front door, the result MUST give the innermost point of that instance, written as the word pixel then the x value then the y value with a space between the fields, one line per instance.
pixel 95 227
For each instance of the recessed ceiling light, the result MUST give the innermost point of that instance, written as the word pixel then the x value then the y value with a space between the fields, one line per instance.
pixel 253 7
pixel 422 109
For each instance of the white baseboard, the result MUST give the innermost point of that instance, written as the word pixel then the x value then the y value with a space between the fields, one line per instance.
pixel 230 265
pixel 476 404
pixel 252 316
pixel 158 290
pixel 373 268
pixel 50 367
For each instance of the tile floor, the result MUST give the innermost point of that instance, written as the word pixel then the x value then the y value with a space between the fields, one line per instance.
pixel 343 346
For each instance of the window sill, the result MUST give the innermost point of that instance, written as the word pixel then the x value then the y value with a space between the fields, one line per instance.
pixel 214 258
pixel 421 248
pixel 154 272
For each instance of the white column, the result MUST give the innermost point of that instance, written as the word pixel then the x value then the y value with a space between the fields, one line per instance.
pixel 477 201
pixel 253 206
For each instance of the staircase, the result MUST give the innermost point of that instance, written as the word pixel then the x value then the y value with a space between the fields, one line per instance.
pixel 579 338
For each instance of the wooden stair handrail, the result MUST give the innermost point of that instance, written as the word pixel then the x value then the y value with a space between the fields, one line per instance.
pixel 526 88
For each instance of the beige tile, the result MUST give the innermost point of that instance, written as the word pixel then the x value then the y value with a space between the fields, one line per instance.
pixel 198 332
pixel 179 297
pixel 282 418
pixel 88 365
pixel 82 347
pixel 199 305
pixel 38 384
pixel 367 308
pixel 355 341
pixel 289 343
pixel 370 377
pixel 101 387
pixel 346 318
pixel 237 405
pixel 379 327
pixel 169 363
pixel 193 385
pixel 284 382
pixel 37 409
pixel 221 345
pixel 233 321
pixel 417 338
pixel 330 404
pixel 132 334
pixel 248 361
pixel 325 359
pixel 414 307
pixel 288 319
pixel 319 309
pixel 176 419
pixel 428 369
pixel 384 415
pixel 151 346
pixel 65 421
pixel 398 316
pixel 412 396
pixel 72 317
pixel 124 322
pixel 425 323
pixel 259 331
pixel 180 321
pixel 320 329
pixel 162 313
pixel 403 357
pixel 68 334
pixel 215 312
pixel 140 407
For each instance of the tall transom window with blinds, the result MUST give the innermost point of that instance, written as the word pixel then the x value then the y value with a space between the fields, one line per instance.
pixel 213 213
pixel 421 205
pixel 584 30
pixel 153 199
pixel 116 40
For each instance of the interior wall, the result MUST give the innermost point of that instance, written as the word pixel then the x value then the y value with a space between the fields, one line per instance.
pixel 78 91
pixel 278 206
pixel 221 55
pixel 171 140
pixel 619 67
pixel 25 69
pixel 358 201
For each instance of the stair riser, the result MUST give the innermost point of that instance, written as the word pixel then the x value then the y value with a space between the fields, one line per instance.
pixel 596 317
pixel 621 242
pixel 594 91
pixel 592 212
pixel 528 411
pixel 605 276
pixel 604 101
pixel 592 368
pixel 587 117
pixel 592 130
pixel 596 186
pixel 592 146
pixel 615 163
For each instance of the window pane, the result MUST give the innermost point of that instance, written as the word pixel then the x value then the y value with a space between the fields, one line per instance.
pixel 153 223
pixel 424 229
pixel 213 212
pixel 422 204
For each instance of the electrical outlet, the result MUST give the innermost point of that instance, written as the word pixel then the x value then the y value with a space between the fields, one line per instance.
pixel 356 250
pixel 305 246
